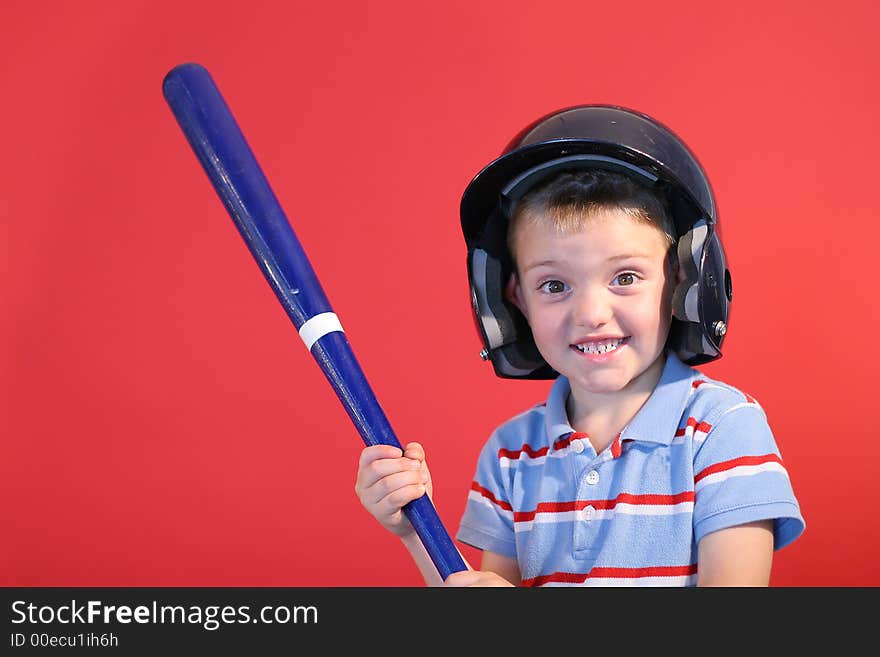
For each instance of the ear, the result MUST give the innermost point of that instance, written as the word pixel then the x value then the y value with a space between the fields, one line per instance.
pixel 513 293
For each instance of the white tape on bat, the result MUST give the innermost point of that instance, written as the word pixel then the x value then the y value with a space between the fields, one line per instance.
pixel 315 328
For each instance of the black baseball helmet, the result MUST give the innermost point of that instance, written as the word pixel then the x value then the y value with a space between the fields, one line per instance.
pixel 611 138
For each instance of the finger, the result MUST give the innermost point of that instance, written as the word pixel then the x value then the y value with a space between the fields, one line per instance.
pixel 400 497
pixel 462 578
pixel 372 473
pixel 390 484
pixel 414 451
pixel 375 452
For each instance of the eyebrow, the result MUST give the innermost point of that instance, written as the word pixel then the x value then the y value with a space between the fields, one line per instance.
pixel 539 264
pixel 623 256
pixel 628 256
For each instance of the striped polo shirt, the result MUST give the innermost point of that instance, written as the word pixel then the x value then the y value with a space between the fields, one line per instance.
pixel 699 456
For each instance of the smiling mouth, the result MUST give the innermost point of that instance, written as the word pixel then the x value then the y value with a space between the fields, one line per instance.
pixel 601 347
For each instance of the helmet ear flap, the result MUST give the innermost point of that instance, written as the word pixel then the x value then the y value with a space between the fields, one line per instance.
pixel 716 292
pixel 506 333
pixel 701 301
pixel 685 298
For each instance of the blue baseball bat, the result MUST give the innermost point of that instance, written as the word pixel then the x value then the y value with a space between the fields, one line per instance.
pixel 224 154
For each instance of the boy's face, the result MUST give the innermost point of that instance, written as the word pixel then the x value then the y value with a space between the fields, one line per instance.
pixel 598 300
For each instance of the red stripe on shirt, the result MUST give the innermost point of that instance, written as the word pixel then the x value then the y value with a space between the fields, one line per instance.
pixel 516 453
pixel 614 573
pixel 604 505
pixel 696 425
pixel 541 451
pixel 562 443
pixel 485 492
pixel 733 463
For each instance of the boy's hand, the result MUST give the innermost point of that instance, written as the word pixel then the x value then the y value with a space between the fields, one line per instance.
pixel 476 578
pixel 387 480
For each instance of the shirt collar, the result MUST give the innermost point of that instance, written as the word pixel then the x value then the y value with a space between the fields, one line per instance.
pixel 657 420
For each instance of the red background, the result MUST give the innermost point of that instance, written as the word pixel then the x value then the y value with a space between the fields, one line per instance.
pixel 162 423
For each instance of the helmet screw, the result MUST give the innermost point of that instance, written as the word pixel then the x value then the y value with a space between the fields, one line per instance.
pixel 720 328
pixel 484 354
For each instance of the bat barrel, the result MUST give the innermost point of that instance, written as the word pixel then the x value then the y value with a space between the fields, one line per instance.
pixel 227 159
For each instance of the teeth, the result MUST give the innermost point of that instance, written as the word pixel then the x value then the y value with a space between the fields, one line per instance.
pixel 601 347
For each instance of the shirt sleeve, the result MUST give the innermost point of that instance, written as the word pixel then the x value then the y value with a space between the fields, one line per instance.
pixel 487 522
pixel 739 477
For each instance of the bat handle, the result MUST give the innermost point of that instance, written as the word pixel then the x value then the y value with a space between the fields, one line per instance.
pixel 336 358
pixel 424 519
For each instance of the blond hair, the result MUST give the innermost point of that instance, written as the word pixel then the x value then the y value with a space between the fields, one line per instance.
pixel 570 199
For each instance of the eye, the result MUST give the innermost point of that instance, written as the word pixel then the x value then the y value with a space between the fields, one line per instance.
pixel 626 278
pixel 553 287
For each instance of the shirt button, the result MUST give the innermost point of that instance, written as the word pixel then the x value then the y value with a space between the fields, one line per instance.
pixel 577 446
pixel 589 513
pixel 593 478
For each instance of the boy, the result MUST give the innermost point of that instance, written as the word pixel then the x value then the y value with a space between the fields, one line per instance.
pixel 594 260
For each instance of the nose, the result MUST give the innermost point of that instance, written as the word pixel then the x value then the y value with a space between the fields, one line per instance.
pixel 593 307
